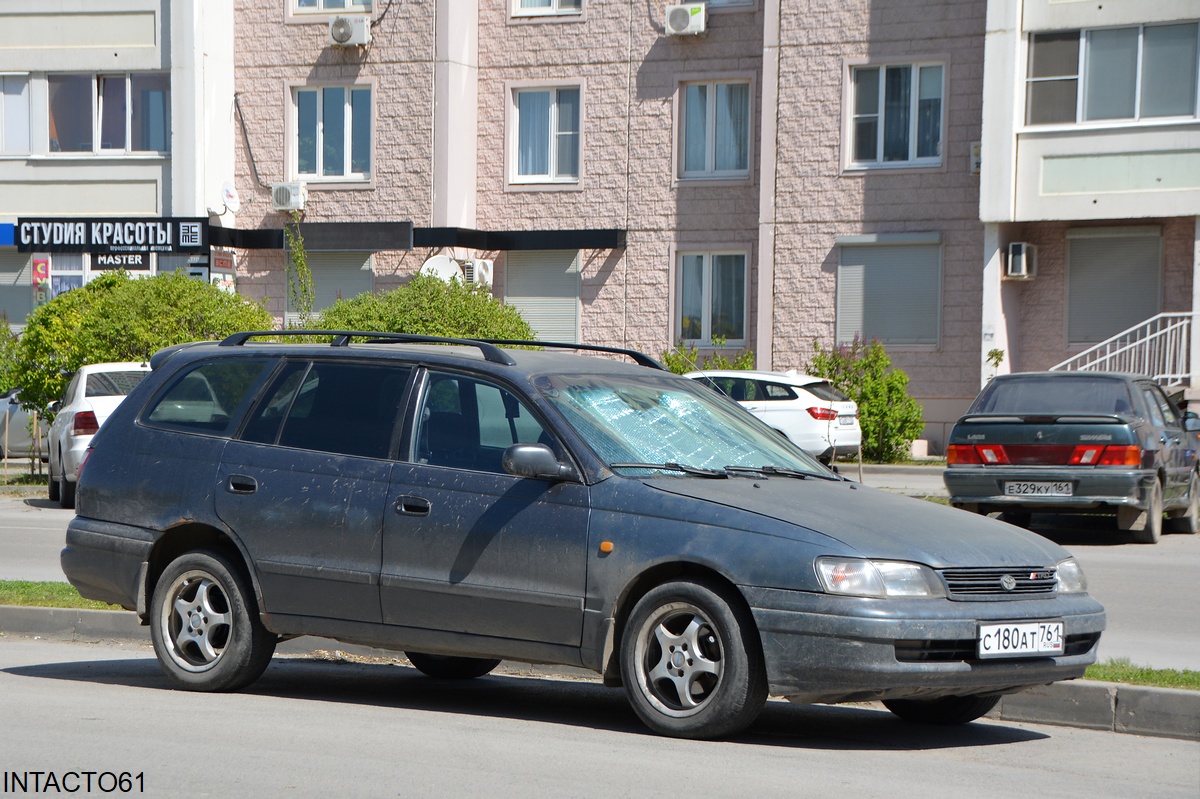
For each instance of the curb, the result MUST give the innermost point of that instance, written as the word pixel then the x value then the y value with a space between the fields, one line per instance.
pixel 1086 704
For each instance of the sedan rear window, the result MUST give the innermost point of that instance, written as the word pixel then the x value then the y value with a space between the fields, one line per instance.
pixel 1055 396
pixel 827 391
pixel 113 384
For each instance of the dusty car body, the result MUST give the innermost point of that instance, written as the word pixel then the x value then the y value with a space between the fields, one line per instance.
pixel 1077 442
pixel 465 503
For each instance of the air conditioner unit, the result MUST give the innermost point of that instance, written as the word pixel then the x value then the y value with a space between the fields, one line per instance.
pixel 1022 261
pixel 288 196
pixel 689 19
pixel 349 31
pixel 478 270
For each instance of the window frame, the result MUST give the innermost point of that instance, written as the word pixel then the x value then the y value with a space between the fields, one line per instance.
pixel 708 254
pixel 710 172
pixel 556 9
pixel 914 161
pixel 887 242
pixel 551 181
pixel 349 178
pixel 351 7
pixel 97 116
pixel 1114 234
pixel 1082 72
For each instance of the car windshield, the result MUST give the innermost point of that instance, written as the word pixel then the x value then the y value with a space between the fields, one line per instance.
pixel 113 384
pixel 680 425
pixel 1055 396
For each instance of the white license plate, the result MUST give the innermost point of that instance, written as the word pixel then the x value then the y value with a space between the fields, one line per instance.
pixel 1038 489
pixel 1026 639
pixel 845 421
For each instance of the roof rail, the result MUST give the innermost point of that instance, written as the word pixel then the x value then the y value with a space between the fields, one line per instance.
pixel 641 358
pixel 341 338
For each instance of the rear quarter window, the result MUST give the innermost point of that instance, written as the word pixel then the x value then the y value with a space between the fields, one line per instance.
pixel 206 399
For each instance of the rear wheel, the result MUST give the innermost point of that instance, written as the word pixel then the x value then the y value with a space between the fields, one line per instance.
pixel 1146 525
pixel 1188 521
pixel 446 667
pixel 944 710
pixel 53 486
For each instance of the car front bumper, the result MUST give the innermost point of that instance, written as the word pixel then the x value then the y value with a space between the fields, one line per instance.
pixel 982 488
pixel 821 648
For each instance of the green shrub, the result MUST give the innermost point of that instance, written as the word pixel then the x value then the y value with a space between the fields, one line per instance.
pixel 682 360
pixel 8 356
pixel 430 307
pixel 119 318
pixel 890 419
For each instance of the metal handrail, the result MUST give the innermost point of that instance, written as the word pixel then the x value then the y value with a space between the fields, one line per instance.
pixel 1158 348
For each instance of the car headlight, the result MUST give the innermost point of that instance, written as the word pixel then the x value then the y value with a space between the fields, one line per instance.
pixel 1070 577
pixel 878 578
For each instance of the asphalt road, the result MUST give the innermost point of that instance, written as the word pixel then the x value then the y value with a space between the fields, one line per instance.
pixel 310 728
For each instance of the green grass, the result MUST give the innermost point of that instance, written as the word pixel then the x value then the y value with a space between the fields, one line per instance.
pixel 47 595
pixel 1122 670
pixel 17 477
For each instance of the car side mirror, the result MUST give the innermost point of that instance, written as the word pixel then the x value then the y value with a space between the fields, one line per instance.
pixel 54 406
pixel 1192 425
pixel 537 461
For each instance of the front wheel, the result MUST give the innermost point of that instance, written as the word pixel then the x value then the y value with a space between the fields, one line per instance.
pixel 205 625
pixel 691 661
pixel 944 710
pixel 447 667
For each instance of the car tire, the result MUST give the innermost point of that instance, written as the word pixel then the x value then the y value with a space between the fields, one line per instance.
pixel 943 710
pixel 1146 525
pixel 66 494
pixel 446 667
pixel 204 624
pixel 1188 521
pixel 53 487
pixel 691 661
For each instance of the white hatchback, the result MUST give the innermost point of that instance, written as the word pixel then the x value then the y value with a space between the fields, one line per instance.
pixel 93 394
pixel 814 414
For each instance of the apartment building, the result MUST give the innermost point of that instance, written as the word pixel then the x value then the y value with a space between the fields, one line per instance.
pixel 115 140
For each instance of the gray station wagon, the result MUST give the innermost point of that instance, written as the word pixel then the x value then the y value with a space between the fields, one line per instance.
pixel 466 502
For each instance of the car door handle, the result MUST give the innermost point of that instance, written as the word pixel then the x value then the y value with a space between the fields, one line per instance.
pixel 413 506
pixel 241 484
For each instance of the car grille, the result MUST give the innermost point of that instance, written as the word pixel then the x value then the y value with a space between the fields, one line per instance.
pixel 961 650
pixel 990 583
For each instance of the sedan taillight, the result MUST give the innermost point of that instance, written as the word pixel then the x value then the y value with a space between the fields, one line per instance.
pixel 84 424
pixel 823 414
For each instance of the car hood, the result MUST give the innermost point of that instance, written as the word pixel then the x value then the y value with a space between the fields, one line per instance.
pixel 874 523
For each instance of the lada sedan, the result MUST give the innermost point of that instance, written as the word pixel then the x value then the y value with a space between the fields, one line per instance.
pixel 466 502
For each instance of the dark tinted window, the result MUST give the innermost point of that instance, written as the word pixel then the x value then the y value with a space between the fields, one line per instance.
pixel 113 384
pixel 776 392
pixel 826 391
pixel 343 408
pixel 1055 396
pixel 205 398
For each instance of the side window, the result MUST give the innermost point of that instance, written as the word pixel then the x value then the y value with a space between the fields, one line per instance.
pixel 71 388
pixel 467 424
pixel 1170 415
pixel 206 398
pixel 777 392
pixel 341 408
pixel 1152 406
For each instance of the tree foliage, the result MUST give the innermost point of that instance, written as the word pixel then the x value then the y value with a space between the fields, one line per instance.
pixel 681 360
pixel 431 307
pixel 119 318
pixel 889 417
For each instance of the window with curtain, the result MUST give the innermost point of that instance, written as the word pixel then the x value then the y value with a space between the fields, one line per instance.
pixel 711 296
pixel 715 130
pixel 1132 73
pixel 888 292
pixel 127 112
pixel 14 114
pixel 897 114
pixel 547 135
pixel 1114 279
pixel 541 8
pixel 333 133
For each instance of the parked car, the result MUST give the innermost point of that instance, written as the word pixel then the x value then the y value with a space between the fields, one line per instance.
pixel 16 436
pixel 93 393
pixel 1077 442
pixel 813 413
pixel 465 503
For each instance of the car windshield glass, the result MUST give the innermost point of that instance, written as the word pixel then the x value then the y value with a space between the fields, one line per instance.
pixel 1055 396
pixel 652 419
pixel 113 384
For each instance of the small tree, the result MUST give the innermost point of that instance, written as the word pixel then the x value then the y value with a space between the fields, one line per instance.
pixel 681 360
pixel 429 306
pixel 890 419
pixel 118 318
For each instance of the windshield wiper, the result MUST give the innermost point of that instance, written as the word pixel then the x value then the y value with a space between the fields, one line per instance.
pixel 771 471
pixel 672 467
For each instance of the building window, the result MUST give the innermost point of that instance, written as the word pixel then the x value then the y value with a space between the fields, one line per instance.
pixel 548 135
pixel 331 6
pixel 333 133
pixel 897 117
pixel 109 113
pixel 1114 277
pixel 891 293
pixel 14 114
pixel 711 304
pixel 545 8
pixel 715 134
pixel 1144 72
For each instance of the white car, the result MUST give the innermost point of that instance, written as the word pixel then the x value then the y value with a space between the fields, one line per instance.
pixel 94 392
pixel 16 439
pixel 814 414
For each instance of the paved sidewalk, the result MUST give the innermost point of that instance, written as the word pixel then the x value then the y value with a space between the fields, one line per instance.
pixel 1158 712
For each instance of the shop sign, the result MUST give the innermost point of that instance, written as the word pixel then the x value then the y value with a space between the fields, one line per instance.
pixel 112 235
pixel 41 281
pixel 128 261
